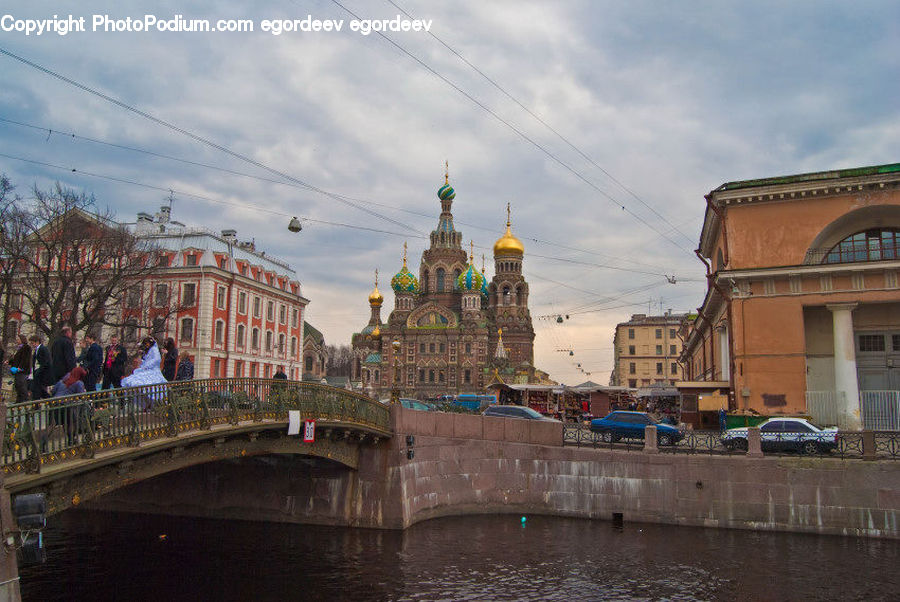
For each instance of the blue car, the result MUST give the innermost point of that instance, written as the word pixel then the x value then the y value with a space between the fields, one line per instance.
pixel 630 425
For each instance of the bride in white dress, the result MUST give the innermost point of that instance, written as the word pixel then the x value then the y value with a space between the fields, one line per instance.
pixel 148 373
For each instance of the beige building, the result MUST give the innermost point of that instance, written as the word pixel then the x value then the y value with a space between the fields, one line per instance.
pixel 646 350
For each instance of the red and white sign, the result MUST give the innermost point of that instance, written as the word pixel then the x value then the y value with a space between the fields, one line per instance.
pixel 309 431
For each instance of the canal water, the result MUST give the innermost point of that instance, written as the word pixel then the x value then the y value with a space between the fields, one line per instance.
pixel 112 556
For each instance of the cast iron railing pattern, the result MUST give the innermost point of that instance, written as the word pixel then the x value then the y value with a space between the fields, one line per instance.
pixel 77 426
pixel 845 445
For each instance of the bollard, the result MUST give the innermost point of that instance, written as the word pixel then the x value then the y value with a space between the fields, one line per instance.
pixel 754 443
pixel 651 445
pixel 868 445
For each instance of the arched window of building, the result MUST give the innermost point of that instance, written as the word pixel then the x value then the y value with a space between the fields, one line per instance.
pixel 269 340
pixel 439 280
pixel 254 339
pixel 456 274
pixel 425 282
pixel 281 343
pixel 240 336
pixel 293 346
pixel 309 363
pixel 875 244
pixel 187 330
pixel 507 297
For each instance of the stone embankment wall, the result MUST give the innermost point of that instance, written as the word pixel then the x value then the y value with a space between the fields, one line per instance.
pixel 482 465
pixel 465 464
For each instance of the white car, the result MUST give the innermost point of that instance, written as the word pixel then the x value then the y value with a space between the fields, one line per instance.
pixel 783 434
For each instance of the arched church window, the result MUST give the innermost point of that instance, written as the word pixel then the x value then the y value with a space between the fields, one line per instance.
pixel 425 281
pixel 456 274
pixel 876 244
pixel 507 297
pixel 439 280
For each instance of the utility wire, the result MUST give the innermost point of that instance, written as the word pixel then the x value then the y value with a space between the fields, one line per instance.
pixel 200 196
pixel 201 139
pixel 75 136
pixel 524 136
pixel 548 126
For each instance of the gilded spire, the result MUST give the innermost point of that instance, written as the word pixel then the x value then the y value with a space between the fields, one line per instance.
pixel 482 263
pixel 404 253
pixel 471 251
pixel 446 172
pixel 375 297
pixel 508 220
pixel 508 244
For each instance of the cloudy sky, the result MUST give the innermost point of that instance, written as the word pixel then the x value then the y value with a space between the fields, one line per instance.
pixel 646 106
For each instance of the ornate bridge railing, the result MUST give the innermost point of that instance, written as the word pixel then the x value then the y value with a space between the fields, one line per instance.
pixel 49 431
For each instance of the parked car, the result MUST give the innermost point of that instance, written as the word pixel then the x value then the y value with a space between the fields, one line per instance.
pixel 630 425
pixel 412 404
pixel 785 434
pixel 515 412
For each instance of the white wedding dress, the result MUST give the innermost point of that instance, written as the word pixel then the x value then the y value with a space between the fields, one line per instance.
pixel 148 373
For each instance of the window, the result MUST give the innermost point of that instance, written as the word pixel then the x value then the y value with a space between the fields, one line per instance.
pixel 254 339
pixel 187 330
pixel 220 332
pixel 220 297
pixel 189 294
pixel 441 348
pixel 506 296
pixel 895 341
pixel 431 376
pixel 421 347
pixel 270 311
pixel 468 347
pixel 158 329
pixel 431 348
pixel 223 262
pixel 269 340
pixel 12 330
pixel 239 338
pixel 217 368
pixel 871 245
pixel 439 279
pixel 161 296
pixel 242 302
pixel 671 333
pixel 268 371
pixel 133 297
pixel 295 317
pixel 632 383
pixel 672 350
pixel 238 368
pixel 131 331
pixel 162 261
pixel 421 375
pixel 871 342
pixel 632 368
pixel 631 350
pixel 257 307
pixel 467 376
pixel 190 260
pixel 659 368
pixel 659 350
pixel 293 346
pixel 281 343
pixel 243 269
pixel 631 333
pixel 254 370
pixel 659 333
pixel 441 376
pixel 674 368
pixel 282 314
pixel 309 363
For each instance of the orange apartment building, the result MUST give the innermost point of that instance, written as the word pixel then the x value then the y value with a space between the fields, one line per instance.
pixel 802 310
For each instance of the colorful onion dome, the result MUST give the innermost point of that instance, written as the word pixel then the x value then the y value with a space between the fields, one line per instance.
pixel 375 297
pixel 376 334
pixel 508 244
pixel 446 192
pixel 471 279
pixel 484 288
pixel 404 281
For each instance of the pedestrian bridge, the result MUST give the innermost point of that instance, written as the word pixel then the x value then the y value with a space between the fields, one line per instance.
pixel 79 447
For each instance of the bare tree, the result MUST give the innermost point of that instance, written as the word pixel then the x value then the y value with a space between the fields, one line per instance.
pixel 82 269
pixel 12 253
pixel 339 360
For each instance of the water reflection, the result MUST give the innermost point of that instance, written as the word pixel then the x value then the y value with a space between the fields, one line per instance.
pixel 109 556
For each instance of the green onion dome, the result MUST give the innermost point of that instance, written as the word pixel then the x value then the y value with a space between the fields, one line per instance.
pixel 403 281
pixel 470 280
pixel 446 193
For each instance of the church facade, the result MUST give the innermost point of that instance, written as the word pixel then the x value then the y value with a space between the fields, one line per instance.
pixel 451 331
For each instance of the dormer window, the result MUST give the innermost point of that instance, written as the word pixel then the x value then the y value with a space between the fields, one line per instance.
pixel 190 260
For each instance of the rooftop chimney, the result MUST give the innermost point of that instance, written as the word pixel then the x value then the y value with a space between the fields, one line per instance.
pixel 230 236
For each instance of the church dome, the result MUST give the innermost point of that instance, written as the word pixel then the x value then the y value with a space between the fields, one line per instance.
pixel 508 244
pixel 470 280
pixel 404 281
pixel 446 192
pixel 484 288
pixel 375 297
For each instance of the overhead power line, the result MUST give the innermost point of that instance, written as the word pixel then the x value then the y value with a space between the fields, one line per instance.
pixel 548 126
pixel 520 133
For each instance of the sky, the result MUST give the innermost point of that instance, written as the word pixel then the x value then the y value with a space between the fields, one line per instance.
pixel 602 123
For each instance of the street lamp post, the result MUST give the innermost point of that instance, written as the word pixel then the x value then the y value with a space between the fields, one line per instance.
pixel 395 389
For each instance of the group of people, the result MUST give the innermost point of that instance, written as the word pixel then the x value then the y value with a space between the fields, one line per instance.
pixel 40 372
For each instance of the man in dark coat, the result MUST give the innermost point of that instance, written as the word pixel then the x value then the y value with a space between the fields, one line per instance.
pixel 62 354
pixel 91 360
pixel 114 363
pixel 41 368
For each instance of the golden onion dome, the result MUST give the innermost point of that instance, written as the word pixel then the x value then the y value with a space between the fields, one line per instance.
pixel 375 297
pixel 508 244
pixel 376 334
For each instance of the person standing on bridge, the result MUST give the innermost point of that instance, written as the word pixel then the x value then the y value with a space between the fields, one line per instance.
pixel 20 366
pixel 91 359
pixel 114 364
pixel 170 360
pixel 62 354
pixel 185 367
pixel 41 368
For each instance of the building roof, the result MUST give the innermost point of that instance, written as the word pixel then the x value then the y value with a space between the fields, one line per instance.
pixel 814 176
pixel 309 331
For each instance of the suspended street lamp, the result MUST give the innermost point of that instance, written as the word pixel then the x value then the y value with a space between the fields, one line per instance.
pixel 295 225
